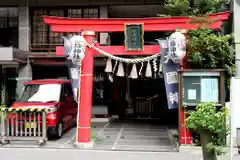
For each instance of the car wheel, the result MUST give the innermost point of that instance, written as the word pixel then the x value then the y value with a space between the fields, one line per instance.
pixel 74 123
pixel 55 132
pixel 59 130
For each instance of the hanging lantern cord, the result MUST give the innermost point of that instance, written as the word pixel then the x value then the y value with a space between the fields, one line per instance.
pixel 125 60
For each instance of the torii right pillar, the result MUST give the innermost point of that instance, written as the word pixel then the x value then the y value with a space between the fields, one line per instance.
pixel 185 136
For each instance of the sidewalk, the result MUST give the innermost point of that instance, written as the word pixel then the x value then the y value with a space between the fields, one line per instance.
pixel 74 154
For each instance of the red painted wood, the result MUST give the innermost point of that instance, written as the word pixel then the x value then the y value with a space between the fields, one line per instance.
pixel 113 21
pixel 188 133
pixel 182 129
pixel 85 111
pixel 61 24
pixel 185 135
pixel 119 50
pixel 120 28
pixel 60 51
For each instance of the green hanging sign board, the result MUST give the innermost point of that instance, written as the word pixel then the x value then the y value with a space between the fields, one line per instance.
pixel 134 37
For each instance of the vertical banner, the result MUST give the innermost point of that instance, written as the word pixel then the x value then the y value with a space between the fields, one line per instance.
pixel 170 75
pixel 75 51
pixel 171 83
pixel 74 73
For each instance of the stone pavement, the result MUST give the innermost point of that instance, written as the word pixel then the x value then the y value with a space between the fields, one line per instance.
pixel 74 154
pixel 121 136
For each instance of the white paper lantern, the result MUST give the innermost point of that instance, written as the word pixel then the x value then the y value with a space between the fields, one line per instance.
pixel 78 46
pixel 177 45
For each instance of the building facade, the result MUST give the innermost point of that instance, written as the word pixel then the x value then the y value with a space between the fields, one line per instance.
pixel 22 27
pixel 25 36
pixel 27 41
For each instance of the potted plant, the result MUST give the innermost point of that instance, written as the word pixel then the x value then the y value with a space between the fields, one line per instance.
pixel 209 120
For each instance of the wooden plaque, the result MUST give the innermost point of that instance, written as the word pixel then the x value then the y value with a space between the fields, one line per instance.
pixel 134 37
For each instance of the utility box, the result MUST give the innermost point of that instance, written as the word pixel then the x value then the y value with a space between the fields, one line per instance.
pixel 199 86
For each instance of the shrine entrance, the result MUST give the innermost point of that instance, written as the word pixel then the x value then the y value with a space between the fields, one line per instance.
pixel 133 47
pixel 148 98
pixel 147 127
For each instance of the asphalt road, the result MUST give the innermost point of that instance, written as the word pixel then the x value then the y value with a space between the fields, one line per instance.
pixel 74 154
pixel 64 150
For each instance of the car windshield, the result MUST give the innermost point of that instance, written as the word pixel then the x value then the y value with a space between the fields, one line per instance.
pixel 41 93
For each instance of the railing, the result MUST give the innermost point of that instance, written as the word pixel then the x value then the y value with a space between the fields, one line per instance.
pixel 144 105
pixel 23 124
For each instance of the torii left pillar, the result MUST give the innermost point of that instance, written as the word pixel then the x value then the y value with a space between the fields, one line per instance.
pixel 83 139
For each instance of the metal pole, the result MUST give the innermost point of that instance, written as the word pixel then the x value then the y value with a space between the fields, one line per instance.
pixel 79 94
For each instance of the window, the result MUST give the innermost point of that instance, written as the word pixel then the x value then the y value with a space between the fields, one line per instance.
pixel 39 29
pixel 67 92
pixel 41 93
pixel 9 27
pixel 43 39
pixel 75 13
pixel 55 38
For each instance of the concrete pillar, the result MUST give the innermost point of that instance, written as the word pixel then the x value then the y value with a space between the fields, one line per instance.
pixel 83 138
pixel 24 74
pixel 24 71
pixel 23 26
pixel 236 26
pixel 236 22
pixel 104 39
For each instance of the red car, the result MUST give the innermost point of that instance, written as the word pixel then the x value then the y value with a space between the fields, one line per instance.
pixel 54 93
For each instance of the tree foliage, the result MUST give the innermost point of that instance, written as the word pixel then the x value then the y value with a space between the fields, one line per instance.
pixel 206 48
pixel 209 49
pixel 193 7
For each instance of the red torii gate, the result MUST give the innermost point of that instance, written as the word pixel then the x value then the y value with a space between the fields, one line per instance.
pixel 90 26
